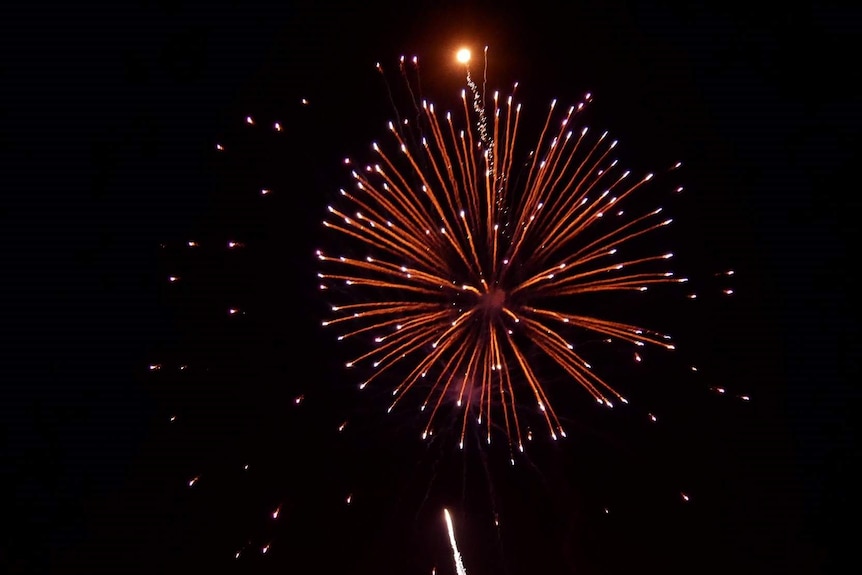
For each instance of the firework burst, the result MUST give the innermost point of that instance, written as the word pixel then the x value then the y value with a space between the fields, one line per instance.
pixel 466 260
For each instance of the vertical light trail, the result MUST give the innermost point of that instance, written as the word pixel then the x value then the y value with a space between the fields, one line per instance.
pixel 459 565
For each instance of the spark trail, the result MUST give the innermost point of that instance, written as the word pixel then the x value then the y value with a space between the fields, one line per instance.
pixel 459 564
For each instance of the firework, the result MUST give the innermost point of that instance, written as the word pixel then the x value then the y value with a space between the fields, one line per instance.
pixel 464 260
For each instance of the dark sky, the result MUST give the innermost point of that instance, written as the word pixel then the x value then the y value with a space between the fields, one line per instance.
pixel 110 119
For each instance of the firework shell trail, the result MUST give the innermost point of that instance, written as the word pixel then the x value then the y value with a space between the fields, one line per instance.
pixel 459 563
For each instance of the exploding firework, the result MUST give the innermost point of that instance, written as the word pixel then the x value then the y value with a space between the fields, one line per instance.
pixel 468 253
pixel 466 256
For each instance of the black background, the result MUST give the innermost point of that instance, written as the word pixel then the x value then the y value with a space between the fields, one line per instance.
pixel 110 117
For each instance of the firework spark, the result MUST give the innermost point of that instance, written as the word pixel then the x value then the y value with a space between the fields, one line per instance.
pixel 459 293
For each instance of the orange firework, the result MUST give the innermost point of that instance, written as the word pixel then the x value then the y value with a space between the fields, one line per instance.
pixel 462 265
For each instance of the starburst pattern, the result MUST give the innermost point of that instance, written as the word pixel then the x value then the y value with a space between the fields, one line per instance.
pixel 458 291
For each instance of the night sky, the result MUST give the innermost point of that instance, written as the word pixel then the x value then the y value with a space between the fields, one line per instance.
pixel 111 118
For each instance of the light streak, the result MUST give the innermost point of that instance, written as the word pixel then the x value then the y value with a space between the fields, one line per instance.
pixel 459 564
